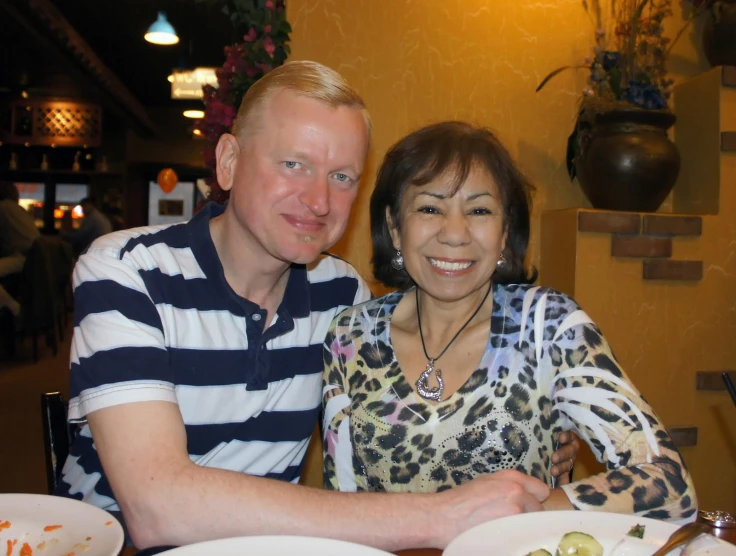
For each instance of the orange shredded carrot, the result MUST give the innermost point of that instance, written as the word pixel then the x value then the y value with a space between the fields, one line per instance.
pixel 26 550
pixel 10 548
pixel 108 523
pixel 4 524
pixel 52 527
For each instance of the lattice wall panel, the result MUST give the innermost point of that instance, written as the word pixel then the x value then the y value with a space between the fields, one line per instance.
pixel 64 124
pixel 80 122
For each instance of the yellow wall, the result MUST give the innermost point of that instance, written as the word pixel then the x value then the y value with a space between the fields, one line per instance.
pixel 664 332
pixel 671 332
pixel 419 61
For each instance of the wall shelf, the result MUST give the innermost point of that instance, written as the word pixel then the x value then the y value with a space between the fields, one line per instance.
pixel 52 175
pixel 728 77
pixel 684 437
pixel 728 141
pixel 712 380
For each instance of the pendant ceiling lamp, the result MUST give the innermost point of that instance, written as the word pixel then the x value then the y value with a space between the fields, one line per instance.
pixel 161 32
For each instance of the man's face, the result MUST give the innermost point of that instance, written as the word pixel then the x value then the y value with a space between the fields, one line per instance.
pixel 87 208
pixel 296 176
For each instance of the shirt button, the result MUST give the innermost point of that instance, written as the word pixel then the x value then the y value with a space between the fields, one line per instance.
pixel 256 317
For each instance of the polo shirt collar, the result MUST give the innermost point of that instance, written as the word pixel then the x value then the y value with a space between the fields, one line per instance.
pixel 200 240
pixel 296 296
pixel 296 300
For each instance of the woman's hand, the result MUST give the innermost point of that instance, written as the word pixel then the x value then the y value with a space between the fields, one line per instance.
pixel 564 458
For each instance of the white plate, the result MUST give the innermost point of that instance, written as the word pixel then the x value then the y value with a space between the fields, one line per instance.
pixel 521 534
pixel 28 514
pixel 276 546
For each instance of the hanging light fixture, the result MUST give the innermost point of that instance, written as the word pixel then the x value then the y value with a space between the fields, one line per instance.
pixel 161 31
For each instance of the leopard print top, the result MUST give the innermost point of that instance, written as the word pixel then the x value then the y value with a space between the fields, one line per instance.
pixel 546 368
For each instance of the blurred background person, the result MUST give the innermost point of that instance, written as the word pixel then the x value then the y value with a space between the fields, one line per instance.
pixel 94 225
pixel 17 233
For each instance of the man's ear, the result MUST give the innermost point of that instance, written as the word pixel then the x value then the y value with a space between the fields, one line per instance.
pixel 226 153
pixel 393 230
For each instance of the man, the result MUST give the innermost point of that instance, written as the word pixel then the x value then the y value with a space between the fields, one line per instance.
pixel 17 233
pixel 94 225
pixel 197 356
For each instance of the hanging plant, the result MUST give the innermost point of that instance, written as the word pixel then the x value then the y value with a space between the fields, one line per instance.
pixel 627 67
pixel 265 34
pixel 719 30
pixel 619 149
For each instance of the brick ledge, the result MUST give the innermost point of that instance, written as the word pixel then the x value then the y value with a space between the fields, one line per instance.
pixel 728 141
pixel 641 246
pixel 651 224
pixel 667 269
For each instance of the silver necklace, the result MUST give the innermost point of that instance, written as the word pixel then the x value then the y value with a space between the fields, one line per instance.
pixel 422 383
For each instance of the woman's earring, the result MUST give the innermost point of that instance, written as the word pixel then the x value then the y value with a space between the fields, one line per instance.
pixel 501 261
pixel 398 261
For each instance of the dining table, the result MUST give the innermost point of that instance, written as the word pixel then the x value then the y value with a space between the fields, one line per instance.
pixel 728 535
pixel 131 551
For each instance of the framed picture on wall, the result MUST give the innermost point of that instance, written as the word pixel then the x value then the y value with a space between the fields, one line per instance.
pixel 173 207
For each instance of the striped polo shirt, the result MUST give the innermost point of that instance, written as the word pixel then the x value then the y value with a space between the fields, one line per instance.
pixel 155 320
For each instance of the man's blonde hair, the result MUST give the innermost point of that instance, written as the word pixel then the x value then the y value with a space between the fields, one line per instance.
pixel 306 78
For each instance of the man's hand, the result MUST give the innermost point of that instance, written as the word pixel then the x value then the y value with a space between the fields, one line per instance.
pixel 564 458
pixel 485 498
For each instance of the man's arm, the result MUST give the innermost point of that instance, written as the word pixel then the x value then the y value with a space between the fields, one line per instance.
pixel 168 500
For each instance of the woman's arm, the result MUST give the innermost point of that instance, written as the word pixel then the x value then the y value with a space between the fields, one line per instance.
pixel 337 446
pixel 646 475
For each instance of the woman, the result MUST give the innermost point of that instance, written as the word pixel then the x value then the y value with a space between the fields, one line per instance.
pixel 468 368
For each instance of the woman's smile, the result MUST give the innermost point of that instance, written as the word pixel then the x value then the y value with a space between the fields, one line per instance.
pixel 451 266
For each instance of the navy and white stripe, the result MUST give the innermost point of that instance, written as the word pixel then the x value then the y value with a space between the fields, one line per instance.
pixel 155 320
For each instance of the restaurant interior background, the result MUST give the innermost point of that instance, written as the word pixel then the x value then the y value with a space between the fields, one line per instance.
pixel 417 62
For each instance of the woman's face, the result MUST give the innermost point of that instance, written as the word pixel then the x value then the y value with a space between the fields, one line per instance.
pixel 451 243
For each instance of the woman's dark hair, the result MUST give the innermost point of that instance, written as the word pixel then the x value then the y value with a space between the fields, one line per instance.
pixel 430 152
